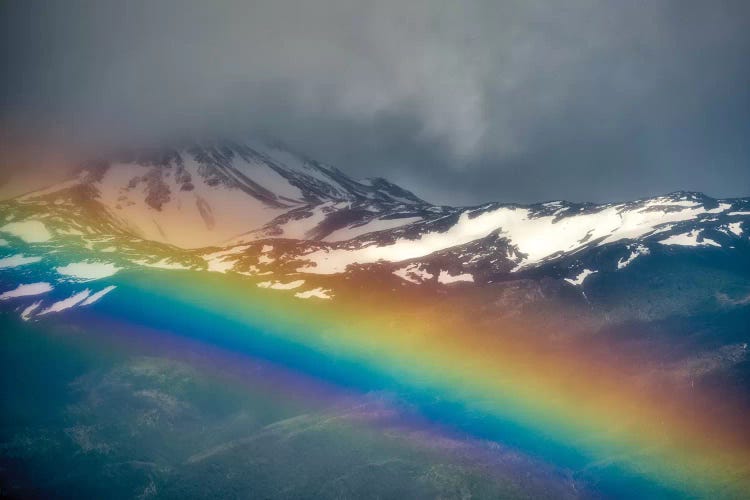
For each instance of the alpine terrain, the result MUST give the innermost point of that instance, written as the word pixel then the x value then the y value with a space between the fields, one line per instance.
pixel 501 350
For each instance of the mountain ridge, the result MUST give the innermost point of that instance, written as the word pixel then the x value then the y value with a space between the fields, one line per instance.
pixel 225 194
pixel 667 277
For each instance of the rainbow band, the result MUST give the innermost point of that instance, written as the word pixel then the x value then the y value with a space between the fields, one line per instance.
pixel 556 405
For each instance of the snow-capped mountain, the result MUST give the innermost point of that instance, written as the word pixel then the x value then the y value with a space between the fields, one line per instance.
pixel 204 194
pixel 666 277
pixel 284 220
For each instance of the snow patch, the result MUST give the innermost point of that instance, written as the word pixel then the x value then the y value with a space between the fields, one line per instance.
pixel 30 231
pixel 445 277
pixel 298 229
pixel 413 273
pixel 721 208
pixel 537 237
pixel 217 261
pixel 17 260
pixel 261 173
pixel 320 293
pixel 88 271
pixel 689 240
pixel 634 253
pixel 281 286
pixel 98 295
pixel 26 313
pixel 220 265
pixel 578 280
pixel 205 215
pixel 372 226
pixel 735 228
pixel 71 301
pixel 27 290
pixel 162 264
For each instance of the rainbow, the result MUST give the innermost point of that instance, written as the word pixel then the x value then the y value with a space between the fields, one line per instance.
pixel 559 404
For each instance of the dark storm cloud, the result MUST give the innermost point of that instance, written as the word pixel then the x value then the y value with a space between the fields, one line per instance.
pixel 460 101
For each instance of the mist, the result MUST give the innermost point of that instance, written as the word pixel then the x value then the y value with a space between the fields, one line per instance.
pixel 515 101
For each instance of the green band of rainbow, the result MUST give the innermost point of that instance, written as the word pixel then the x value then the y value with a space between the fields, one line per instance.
pixel 554 404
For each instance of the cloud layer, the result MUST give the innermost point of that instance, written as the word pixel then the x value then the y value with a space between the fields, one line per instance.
pixel 461 101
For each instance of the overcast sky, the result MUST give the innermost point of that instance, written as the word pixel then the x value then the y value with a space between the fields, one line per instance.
pixel 460 101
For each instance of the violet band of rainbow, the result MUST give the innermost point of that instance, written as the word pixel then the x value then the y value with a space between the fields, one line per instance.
pixel 555 405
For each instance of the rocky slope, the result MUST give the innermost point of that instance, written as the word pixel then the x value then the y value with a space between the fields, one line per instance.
pixel 294 226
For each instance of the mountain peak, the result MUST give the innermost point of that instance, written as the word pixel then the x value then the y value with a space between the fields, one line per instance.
pixel 200 193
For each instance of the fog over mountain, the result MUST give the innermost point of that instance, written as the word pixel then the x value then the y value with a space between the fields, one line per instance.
pixel 461 103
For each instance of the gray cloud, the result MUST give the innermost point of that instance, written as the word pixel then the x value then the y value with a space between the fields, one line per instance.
pixel 460 101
